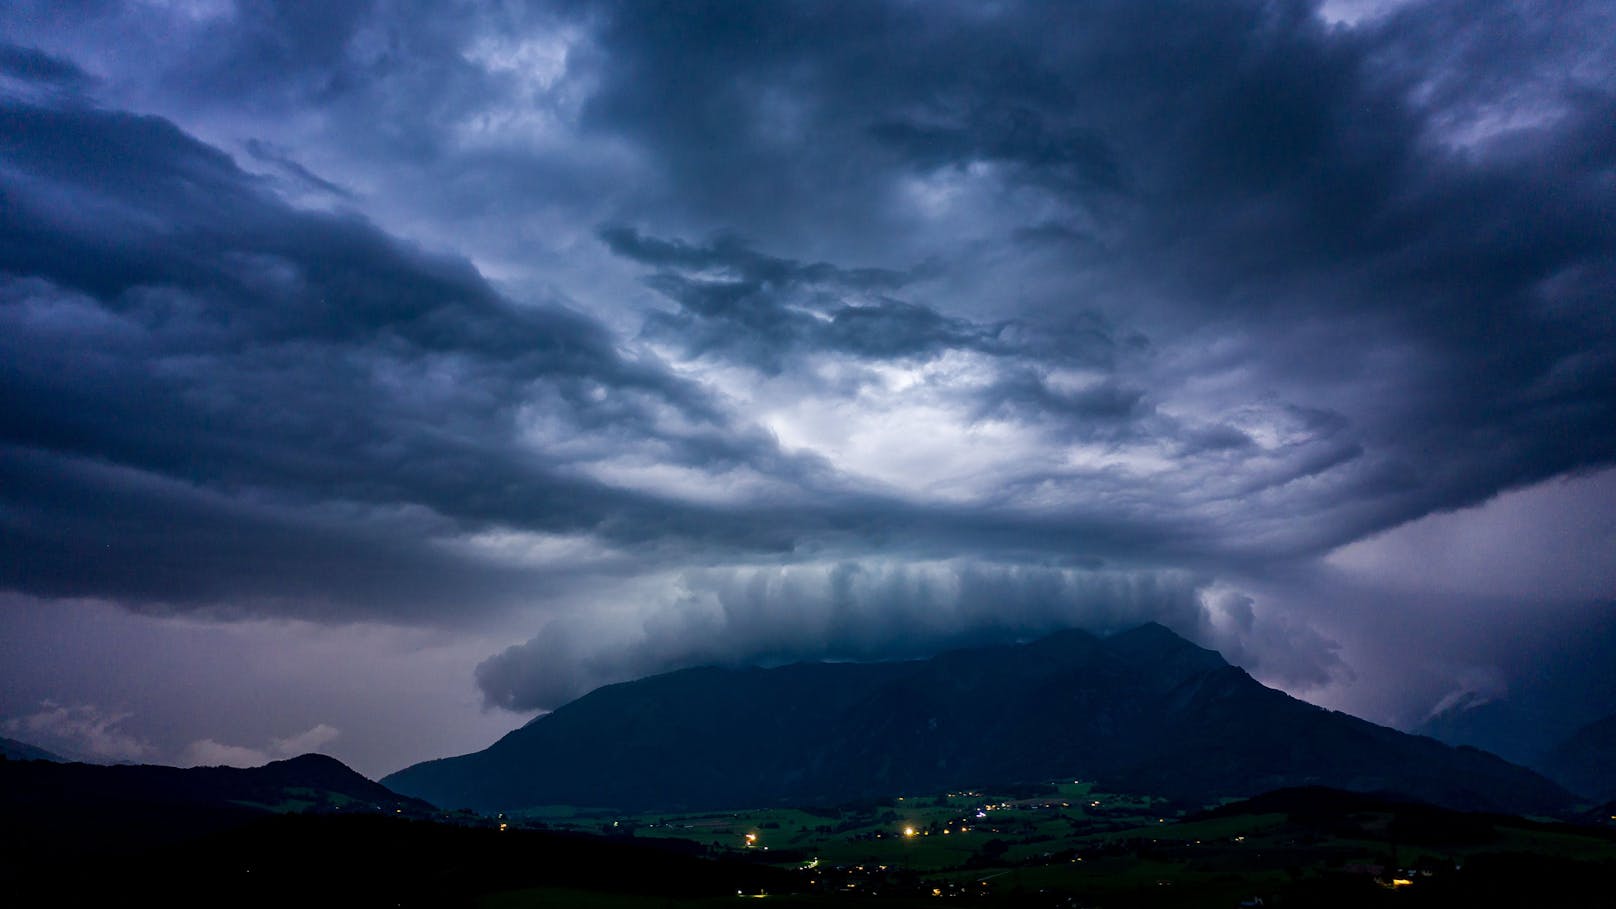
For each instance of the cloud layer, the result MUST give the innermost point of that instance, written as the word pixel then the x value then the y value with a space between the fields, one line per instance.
pixel 745 333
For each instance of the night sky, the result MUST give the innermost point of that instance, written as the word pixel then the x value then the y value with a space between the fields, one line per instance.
pixel 374 376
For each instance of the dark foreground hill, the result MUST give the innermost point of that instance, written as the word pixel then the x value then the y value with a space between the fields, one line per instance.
pixel 306 831
pixel 55 808
pixel 1374 815
pixel 1143 711
pixel 1355 848
pixel 362 861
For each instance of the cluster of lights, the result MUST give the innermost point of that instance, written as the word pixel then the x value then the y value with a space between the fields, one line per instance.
pixel 910 831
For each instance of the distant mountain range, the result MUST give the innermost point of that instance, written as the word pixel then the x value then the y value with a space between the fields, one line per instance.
pixel 1531 710
pixel 1582 759
pixel 1142 711
pixel 1586 761
pixel 1511 728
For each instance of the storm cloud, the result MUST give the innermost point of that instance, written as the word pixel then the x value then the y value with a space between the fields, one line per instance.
pixel 642 336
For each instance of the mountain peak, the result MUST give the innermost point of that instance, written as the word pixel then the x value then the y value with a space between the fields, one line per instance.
pixel 1154 632
pixel 310 760
pixel 1155 642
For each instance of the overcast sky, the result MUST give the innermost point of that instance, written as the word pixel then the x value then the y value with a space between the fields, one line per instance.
pixel 376 375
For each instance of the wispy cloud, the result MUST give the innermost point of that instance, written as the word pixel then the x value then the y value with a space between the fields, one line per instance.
pixel 209 753
pixel 81 731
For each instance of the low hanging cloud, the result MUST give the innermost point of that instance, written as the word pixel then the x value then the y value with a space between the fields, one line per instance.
pixel 880 610
pixel 208 753
pixel 81 731
pixel 90 733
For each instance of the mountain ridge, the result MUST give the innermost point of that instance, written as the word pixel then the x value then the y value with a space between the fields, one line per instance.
pixel 1144 710
pixel 13 750
pixel 95 808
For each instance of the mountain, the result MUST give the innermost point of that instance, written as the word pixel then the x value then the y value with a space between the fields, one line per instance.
pixel 1143 711
pixel 1585 762
pixel 309 782
pixel 52 808
pixel 309 831
pixel 13 750
pixel 1506 727
pixel 1534 705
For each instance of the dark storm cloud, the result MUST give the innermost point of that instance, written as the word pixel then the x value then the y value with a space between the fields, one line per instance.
pixel 32 65
pixel 272 154
pixel 1072 158
pixel 1401 230
pixel 208 389
pixel 197 375
pixel 1188 289
pixel 730 256
pixel 762 309
pixel 1026 394
pixel 1282 175
pixel 77 527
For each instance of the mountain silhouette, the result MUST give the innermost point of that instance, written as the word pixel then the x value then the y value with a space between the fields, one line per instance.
pixel 13 750
pixel 1585 762
pixel 1143 711
pixel 90 809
